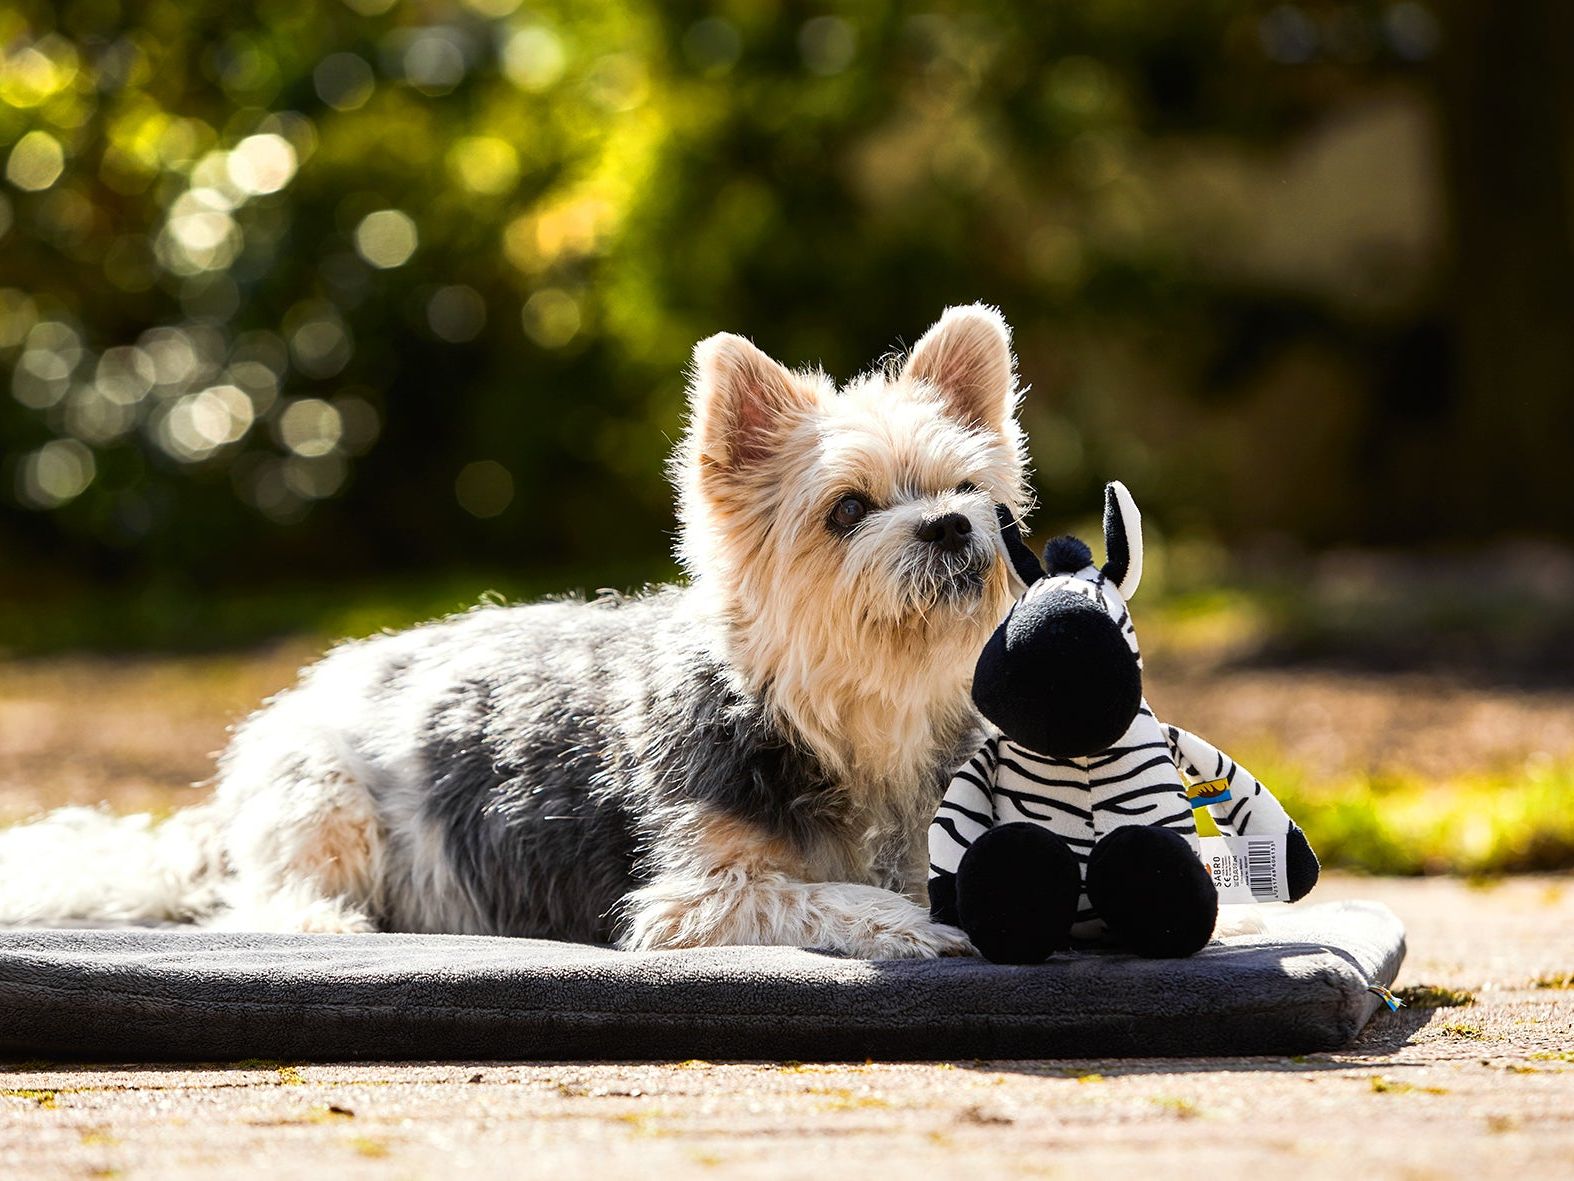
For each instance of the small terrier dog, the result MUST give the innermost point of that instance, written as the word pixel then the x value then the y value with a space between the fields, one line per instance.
pixel 752 758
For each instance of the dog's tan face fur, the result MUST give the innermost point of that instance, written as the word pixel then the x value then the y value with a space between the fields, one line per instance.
pixel 863 640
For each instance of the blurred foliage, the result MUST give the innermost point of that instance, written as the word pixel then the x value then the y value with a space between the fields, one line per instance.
pixel 316 286
pixel 1479 823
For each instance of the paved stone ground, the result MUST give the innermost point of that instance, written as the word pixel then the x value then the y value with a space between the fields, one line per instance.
pixel 1469 1091
pixel 1476 1090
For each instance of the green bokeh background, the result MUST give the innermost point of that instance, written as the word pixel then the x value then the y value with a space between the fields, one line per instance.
pixel 1297 272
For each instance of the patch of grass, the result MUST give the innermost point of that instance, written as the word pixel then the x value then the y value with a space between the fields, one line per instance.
pixel 844 1099
pixel 1388 1086
pixel 290 1076
pixel 367 1147
pixel 1090 1078
pixel 1460 1029
pixel 1556 980
pixel 1184 1108
pixel 1483 823
pixel 1433 996
pixel 643 1123
pixel 43 1098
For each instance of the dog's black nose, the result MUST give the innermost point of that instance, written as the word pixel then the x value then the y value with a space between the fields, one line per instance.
pixel 949 532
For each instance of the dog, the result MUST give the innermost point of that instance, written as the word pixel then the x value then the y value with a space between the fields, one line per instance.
pixel 752 757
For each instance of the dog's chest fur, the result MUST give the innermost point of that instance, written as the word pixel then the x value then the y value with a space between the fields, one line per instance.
pixel 532 765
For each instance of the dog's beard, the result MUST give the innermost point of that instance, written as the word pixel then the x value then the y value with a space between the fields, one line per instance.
pixel 918 586
pixel 938 581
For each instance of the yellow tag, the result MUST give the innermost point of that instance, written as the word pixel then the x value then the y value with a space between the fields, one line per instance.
pixel 1212 791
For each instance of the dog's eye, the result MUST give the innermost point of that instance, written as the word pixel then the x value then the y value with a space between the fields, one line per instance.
pixel 849 511
pixel 966 487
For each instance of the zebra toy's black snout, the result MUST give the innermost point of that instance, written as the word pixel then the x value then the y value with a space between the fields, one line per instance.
pixel 1058 677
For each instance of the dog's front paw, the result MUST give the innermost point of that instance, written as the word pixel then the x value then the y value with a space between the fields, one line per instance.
pixel 880 925
pixel 933 940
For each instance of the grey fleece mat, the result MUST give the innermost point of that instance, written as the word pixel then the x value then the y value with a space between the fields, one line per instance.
pixel 183 995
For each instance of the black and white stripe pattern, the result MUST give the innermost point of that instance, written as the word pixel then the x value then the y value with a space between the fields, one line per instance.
pixel 1141 779
pixel 1251 809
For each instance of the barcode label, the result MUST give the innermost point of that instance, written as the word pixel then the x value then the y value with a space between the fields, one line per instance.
pixel 1247 869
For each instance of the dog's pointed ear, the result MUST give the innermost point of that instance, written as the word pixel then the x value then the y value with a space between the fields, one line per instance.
pixel 1017 551
pixel 741 401
pixel 966 358
pixel 1122 539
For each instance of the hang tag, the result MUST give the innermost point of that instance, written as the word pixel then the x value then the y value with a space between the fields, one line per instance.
pixel 1213 791
pixel 1247 869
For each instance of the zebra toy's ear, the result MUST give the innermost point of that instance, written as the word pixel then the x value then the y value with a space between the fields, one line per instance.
pixel 1021 558
pixel 1122 539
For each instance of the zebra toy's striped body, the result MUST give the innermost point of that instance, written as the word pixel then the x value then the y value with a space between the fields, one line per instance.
pixel 1075 819
pixel 1141 780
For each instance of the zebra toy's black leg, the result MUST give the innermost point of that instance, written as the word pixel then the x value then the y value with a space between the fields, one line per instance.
pixel 1152 891
pixel 1016 893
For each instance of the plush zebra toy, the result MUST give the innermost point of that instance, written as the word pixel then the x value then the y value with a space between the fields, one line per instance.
pixel 1076 821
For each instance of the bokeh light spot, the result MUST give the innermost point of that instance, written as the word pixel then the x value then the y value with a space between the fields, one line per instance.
pixel 315 477
pixel 359 424
pixel 36 162
pixel 197 425
pixel 319 341
pixel 35 73
pixel 828 44
pixel 386 238
pixel 484 488
pixel 619 81
pixel 310 427
pixel 551 318
pixel 125 375
pixel 344 81
pixel 58 472
pixel 484 164
pixel 534 59
pixel 456 314
pixel 18 314
pixel 43 373
pixel 174 357
pixel 94 418
pixel 433 63
pixel 261 164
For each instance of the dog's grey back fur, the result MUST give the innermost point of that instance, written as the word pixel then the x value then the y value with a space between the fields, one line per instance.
pixel 527 763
